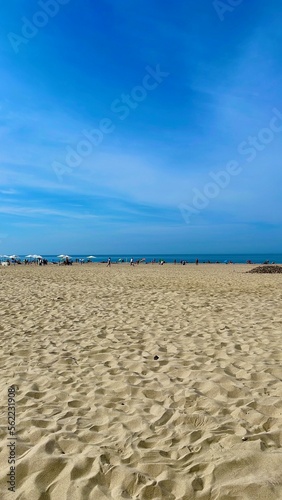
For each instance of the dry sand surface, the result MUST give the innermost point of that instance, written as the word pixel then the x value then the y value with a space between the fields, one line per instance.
pixel 99 417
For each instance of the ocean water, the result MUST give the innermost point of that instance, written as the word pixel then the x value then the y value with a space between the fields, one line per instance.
pixel 236 258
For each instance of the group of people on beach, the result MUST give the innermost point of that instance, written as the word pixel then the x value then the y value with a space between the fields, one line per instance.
pixel 67 261
pixel 154 261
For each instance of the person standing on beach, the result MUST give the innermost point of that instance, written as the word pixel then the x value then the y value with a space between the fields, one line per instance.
pixel 109 262
pixel 131 262
pixel 197 262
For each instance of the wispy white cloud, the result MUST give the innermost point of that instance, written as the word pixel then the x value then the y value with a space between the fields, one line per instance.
pixel 8 191
pixel 221 89
pixel 38 212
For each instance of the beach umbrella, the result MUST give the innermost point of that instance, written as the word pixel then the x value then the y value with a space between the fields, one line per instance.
pixel 61 256
pixel 13 256
pixel 31 256
pixel 91 257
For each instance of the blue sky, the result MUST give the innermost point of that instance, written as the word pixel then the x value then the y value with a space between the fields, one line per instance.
pixel 137 188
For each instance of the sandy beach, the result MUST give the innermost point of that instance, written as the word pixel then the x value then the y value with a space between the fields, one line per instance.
pixel 145 382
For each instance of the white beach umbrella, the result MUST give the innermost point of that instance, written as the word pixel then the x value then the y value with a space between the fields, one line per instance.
pixel 13 256
pixel 61 256
pixel 91 257
pixel 29 256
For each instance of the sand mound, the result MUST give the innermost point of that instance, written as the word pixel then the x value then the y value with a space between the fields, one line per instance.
pixel 271 269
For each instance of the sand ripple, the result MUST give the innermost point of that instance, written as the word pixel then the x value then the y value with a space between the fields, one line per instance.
pixel 143 383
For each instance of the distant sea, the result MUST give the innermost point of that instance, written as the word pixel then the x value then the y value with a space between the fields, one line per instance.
pixel 236 258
